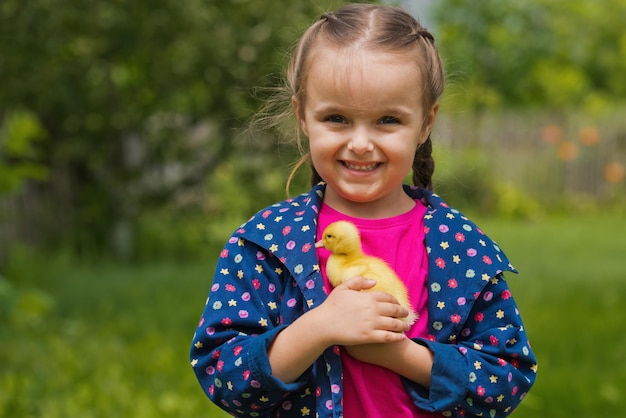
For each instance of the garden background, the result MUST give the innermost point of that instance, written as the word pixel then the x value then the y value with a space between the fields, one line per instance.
pixel 122 140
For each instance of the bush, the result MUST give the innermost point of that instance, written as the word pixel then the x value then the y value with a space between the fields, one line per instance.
pixel 467 181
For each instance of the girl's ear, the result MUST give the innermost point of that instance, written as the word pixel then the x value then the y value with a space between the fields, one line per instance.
pixel 429 122
pixel 299 114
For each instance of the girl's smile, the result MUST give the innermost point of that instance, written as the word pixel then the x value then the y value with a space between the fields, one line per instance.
pixel 363 167
pixel 363 116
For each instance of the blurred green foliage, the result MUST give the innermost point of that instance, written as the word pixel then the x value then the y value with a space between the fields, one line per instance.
pixel 20 158
pixel 137 100
pixel 469 179
pixel 538 53
pixel 121 120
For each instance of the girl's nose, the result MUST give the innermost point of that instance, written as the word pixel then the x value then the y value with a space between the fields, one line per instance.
pixel 360 142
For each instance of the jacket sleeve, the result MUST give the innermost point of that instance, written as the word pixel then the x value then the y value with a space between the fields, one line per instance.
pixel 240 320
pixel 488 369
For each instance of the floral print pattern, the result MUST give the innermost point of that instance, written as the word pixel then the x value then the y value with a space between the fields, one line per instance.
pixel 268 275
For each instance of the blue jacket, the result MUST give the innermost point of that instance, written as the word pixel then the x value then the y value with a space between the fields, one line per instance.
pixel 268 275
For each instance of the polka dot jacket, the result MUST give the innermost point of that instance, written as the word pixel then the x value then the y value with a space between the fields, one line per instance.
pixel 268 275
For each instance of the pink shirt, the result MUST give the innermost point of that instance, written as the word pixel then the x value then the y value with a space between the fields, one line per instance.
pixel 369 390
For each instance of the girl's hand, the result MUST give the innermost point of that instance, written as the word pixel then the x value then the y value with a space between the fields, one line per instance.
pixel 350 317
pixel 347 317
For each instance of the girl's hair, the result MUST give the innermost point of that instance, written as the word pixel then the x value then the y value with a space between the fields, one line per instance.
pixel 382 28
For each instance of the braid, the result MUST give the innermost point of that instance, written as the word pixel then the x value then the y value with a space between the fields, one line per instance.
pixel 424 165
pixel 423 161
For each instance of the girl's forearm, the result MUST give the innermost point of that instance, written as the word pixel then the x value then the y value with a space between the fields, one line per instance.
pixel 296 348
pixel 406 358
pixel 413 361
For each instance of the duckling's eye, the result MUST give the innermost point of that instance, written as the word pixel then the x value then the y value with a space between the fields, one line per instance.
pixel 329 236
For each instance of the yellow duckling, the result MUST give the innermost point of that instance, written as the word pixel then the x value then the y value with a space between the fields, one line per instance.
pixel 347 260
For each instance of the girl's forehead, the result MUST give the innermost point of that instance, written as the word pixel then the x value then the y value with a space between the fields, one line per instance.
pixel 363 75
pixel 355 60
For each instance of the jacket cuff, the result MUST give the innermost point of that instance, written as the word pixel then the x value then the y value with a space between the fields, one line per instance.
pixel 449 379
pixel 260 368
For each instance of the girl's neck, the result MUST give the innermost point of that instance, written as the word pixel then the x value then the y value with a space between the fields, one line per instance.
pixel 393 204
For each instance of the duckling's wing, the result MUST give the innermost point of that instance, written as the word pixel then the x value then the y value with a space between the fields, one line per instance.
pixel 386 280
pixel 356 270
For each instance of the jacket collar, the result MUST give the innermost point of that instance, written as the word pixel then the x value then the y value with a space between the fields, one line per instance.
pixel 288 230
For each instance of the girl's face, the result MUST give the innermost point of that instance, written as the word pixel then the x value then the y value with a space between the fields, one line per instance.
pixel 364 119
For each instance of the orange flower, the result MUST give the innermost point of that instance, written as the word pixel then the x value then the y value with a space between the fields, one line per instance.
pixel 567 151
pixel 552 134
pixel 614 172
pixel 589 136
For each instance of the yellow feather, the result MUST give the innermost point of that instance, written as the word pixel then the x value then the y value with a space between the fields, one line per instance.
pixel 347 260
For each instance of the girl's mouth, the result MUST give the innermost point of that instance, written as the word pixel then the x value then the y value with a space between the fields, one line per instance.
pixel 360 167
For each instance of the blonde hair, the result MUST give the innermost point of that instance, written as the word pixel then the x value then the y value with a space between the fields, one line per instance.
pixel 382 28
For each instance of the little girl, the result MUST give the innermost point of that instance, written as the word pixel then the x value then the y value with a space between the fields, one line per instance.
pixel 275 339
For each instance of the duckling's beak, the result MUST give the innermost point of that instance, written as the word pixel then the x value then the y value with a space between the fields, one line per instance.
pixel 319 244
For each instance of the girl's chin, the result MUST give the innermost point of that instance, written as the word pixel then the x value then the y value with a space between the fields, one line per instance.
pixel 355 194
pixel 366 196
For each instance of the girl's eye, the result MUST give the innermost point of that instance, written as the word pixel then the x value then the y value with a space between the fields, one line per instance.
pixel 386 120
pixel 336 119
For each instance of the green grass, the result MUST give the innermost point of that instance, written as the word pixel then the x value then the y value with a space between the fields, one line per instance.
pixel 572 294
pixel 103 340
pixel 111 340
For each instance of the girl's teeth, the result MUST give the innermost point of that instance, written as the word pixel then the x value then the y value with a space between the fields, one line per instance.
pixel 368 167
